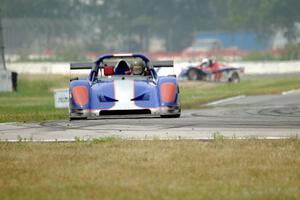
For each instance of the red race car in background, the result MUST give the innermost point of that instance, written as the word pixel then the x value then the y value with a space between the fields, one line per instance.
pixel 210 70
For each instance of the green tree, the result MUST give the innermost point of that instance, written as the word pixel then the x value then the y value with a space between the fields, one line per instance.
pixel 265 16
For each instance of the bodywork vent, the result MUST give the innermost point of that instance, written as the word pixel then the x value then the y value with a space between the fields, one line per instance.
pixel 125 112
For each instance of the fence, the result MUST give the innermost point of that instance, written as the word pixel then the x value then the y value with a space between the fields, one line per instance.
pixel 29 39
pixel 35 36
pixel 2 60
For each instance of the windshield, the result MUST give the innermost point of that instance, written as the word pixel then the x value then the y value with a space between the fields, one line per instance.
pixel 132 67
pixel 114 61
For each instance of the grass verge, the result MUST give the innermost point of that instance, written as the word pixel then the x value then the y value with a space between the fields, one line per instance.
pixel 195 94
pixel 118 169
pixel 34 100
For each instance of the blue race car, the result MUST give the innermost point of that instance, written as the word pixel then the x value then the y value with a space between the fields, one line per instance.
pixel 121 84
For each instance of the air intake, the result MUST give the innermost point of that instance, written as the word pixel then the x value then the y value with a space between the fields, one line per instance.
pixel 125 112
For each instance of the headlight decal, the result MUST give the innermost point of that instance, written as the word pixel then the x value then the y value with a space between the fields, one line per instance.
pixel 80 95
pixel 168 92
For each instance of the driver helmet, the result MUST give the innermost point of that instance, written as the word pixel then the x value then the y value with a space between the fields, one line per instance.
pixel 207 62
pixel 138 67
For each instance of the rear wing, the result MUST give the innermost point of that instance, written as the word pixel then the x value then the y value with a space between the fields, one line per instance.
pixel 164 63
pixel 78 66
pixel 156 64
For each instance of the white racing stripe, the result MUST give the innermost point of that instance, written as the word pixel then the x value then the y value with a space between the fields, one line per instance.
pixel 124 92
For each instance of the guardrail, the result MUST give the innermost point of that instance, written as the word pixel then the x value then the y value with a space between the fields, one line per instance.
pixel 280 67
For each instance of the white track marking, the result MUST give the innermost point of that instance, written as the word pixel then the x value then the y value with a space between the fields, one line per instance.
pixel 225 100
pixel 146 138
pixel 290 92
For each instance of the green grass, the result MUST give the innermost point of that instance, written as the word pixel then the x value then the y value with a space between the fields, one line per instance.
pixel 34 100
pixel 194 95
pixel 118 169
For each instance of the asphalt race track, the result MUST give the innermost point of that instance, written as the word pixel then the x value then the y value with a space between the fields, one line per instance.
pixel 270 116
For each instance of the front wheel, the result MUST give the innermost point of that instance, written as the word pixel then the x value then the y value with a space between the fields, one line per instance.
pixel 193 75
pixel 234 78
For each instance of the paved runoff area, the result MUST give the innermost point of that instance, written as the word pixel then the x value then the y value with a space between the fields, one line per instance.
pixel 269 116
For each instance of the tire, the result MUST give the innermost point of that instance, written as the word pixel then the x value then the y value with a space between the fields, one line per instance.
pixel 234 78
pixel 193 75
pixel 170 116
pixel 77 118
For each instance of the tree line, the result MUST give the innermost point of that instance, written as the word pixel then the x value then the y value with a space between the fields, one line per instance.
pixel 131 23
